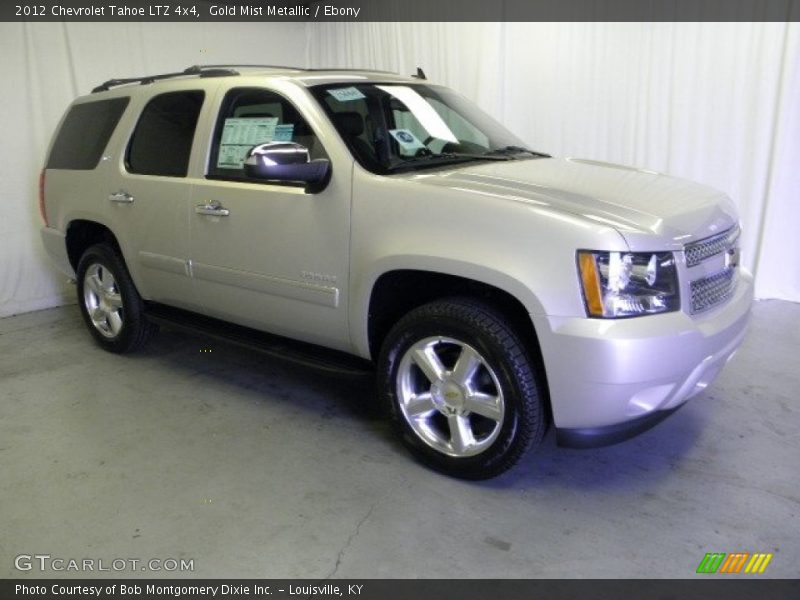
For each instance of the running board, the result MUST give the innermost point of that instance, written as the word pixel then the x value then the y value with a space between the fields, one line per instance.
pixel 310 355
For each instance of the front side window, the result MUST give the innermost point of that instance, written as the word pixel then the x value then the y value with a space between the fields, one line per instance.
pixel 162 141
pixel 250 117
pixel 392 127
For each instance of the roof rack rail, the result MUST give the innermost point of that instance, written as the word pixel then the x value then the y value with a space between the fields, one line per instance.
pixel 288 67
pixel 201 70
pixel 211 71
pixel 349 69
pixel 247 66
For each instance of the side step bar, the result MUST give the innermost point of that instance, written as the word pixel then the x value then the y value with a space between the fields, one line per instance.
pixel 310 355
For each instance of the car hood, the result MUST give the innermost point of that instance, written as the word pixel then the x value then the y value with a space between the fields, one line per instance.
pixel 647 208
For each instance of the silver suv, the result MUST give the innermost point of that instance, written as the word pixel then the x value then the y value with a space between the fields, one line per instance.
pixel 493 288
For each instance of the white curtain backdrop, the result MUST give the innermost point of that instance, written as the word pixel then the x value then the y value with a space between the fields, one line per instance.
pixel 714 102
pixel 44 66
pixel 718 103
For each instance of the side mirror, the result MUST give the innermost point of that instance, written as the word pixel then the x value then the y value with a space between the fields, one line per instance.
pixel 287 161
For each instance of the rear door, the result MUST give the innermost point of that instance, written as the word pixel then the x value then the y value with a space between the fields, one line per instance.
pixel 149 194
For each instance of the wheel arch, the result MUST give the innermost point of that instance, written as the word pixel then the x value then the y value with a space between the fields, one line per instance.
pixel 389 300
pixel 82 234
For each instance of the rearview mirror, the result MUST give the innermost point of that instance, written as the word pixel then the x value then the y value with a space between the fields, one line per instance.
pixel 287 161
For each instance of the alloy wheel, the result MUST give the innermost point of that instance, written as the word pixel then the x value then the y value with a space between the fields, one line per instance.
pixel 450 396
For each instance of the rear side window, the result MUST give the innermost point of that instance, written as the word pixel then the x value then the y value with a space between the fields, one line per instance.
pixel 162 141
pixel 84 134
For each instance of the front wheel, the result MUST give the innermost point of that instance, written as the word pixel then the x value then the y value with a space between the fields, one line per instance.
pixel 461 389
pixel 109 302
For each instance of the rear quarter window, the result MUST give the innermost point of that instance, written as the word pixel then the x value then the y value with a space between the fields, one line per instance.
pixel 84 134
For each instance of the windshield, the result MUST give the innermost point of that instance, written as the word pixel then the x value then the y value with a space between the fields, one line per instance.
pixel 391 128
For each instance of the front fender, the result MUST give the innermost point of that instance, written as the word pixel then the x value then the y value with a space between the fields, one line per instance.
pixel 365 284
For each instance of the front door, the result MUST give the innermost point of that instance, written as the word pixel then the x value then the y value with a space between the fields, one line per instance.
pixel 263 254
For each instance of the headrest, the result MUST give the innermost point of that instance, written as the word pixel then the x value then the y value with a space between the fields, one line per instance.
pixel 349 124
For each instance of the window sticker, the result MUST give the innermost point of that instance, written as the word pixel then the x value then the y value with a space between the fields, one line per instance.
pixel 283 132
pixel 239 135
pixel 407 140
pixel 347 94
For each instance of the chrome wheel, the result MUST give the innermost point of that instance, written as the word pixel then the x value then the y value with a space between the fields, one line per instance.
pixel 450 396
pixel 102 300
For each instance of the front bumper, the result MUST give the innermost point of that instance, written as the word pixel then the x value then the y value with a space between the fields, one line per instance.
pixel 611 379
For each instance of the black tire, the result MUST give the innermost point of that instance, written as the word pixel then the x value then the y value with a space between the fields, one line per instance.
pixel 125 328
pixel 461 327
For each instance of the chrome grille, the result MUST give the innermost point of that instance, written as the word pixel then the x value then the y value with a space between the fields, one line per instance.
pixel 698 251
pixel 710 291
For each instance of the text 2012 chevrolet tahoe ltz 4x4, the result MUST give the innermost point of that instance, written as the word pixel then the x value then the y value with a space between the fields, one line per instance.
pixel 495 289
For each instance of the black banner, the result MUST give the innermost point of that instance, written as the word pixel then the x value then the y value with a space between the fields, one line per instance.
pixel 401 589
pixel 402 10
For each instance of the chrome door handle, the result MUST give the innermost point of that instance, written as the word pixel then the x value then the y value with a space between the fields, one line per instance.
pixel 120 196
pixel 212 209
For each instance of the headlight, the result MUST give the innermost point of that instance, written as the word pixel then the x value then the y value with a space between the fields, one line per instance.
pixel 628 284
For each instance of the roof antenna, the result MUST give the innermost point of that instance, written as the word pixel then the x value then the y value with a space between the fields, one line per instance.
pixel 420 74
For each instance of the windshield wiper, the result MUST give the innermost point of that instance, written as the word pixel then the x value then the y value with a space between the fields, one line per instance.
pixel 443 159
pixel 486 156
pixel 451 155
pixel 514 150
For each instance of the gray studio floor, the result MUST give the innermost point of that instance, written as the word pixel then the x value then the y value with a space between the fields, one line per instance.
pixel 252 468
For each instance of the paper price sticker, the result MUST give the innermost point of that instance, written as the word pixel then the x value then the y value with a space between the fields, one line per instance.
pixel 347 94
pixel 241 134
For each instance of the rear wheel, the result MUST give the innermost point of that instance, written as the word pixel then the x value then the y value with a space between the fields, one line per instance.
pixel 109 302
pixel 461 389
